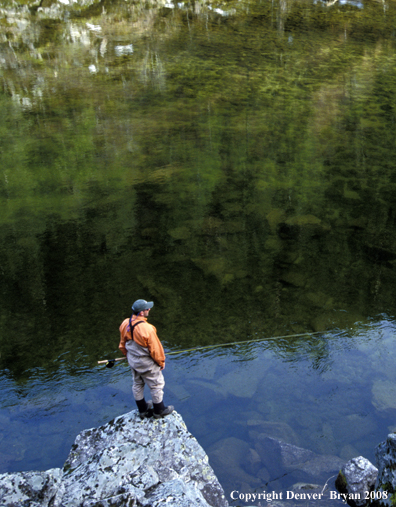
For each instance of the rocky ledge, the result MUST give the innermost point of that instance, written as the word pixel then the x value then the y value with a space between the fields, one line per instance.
pixel 125 462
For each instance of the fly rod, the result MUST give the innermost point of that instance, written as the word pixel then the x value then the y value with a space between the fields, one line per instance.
pixel 109 363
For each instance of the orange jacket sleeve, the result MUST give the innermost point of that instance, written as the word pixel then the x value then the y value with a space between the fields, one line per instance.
pixel 124 336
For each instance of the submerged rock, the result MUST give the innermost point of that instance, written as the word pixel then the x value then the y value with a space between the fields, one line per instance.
pixel 294 278
pixel 243 383
pixel 275 429
pixel 384 394
pixel 240 461
pixel 307 225
pixel 127 461
pixel 274 217
pixel 279 456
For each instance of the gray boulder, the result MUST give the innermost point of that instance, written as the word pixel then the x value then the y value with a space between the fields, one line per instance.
pixel 279 456
pixel 31 489
pixel 125 462
pixel 356 479
pixel 385 456
pixel 385 485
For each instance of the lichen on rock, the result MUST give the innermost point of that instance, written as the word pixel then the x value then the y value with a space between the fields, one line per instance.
pixel 125 461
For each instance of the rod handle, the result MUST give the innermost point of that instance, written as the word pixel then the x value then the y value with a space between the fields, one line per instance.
pixel 116 359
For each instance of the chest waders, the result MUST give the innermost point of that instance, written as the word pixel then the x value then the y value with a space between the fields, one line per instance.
pixel 109 363
pixel 147 409
pixel 132 328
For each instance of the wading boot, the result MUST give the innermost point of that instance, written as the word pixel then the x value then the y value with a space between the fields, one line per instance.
pixel 161 411
pixel 145 408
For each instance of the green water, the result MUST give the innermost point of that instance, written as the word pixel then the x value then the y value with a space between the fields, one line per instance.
pixel 233 162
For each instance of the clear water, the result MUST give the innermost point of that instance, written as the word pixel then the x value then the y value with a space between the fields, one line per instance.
pixel 234 163
pixel 334 397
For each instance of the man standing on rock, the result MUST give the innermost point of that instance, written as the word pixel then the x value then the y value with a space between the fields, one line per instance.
pixel 140 344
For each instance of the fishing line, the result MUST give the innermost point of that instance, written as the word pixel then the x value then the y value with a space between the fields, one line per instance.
pixel 109 363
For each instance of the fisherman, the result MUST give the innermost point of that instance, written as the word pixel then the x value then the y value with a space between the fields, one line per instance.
pixel 140 344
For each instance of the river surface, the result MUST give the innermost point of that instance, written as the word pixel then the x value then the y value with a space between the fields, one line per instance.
pixel 235 163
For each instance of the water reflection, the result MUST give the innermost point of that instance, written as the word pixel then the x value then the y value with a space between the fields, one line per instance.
pixel 232 164
pixel 343 2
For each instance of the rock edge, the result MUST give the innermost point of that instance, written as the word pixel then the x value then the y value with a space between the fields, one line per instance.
pixel 127 461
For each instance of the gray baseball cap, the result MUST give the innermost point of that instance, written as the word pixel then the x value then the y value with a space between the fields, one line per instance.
pixel 141 304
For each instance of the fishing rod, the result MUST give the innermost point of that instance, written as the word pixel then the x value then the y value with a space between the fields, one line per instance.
pixel 109 363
